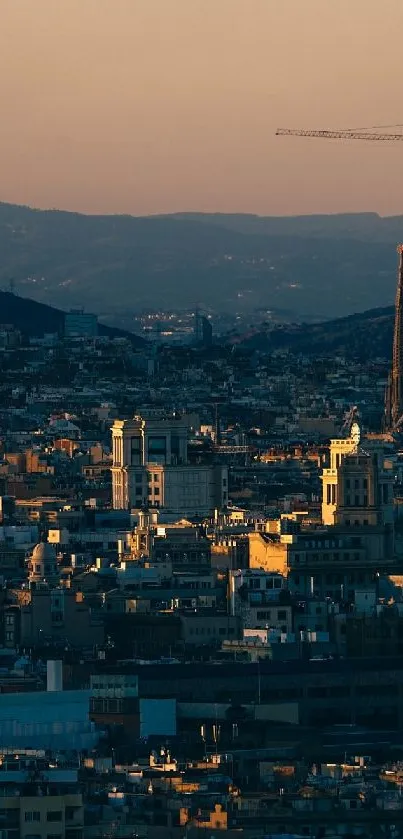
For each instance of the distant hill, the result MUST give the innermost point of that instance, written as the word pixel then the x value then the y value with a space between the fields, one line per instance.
pixel 34 319
pixel 311 266
pixel 365 227
pixel 364 335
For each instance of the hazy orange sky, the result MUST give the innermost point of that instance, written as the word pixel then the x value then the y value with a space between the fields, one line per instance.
pixel 148 106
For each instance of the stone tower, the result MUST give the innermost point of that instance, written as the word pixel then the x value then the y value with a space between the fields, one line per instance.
pixel 394 391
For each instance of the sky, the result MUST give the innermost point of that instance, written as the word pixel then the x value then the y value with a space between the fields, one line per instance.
pixel 158 106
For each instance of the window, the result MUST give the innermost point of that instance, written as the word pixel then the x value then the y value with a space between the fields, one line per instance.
pixel 135 451
pixel 157 450
pixel 9 620
pixel 54 816
pixel 175 448
pixel 9 635
pixel 282 615
pixel 32 816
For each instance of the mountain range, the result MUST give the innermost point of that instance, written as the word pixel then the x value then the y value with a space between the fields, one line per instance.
pixel 315 267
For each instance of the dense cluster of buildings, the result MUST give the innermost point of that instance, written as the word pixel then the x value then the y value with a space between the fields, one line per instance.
pixel 201 612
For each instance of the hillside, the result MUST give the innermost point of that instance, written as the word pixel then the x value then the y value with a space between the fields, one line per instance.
pixel 365 335
pixel 361 335
pixel 36 319
pixel 312 266
pixel 365 227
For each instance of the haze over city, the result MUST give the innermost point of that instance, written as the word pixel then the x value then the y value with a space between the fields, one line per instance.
pixel 158 106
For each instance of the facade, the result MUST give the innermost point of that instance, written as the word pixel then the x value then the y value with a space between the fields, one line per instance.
pixel 320 692
pixel 42 815
pixel 185 548
pixel 46 720
pixel 329 562
pixel 115 701
pixel 205 629
pixel 56 615
pixel 80 324
pixel 339 448
pixel 151 469
pixel 365 490
pixel 374 471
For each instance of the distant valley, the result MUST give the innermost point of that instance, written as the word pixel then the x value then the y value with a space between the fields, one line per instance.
pixel 313 267
pixel 365 335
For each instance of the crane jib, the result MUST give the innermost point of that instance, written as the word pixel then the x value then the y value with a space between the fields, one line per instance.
pixel 337 135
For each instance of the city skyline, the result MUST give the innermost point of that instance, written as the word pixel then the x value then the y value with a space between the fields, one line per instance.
pixel 149 107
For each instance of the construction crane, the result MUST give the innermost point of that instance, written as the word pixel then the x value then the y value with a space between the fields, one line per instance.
pixel 360 134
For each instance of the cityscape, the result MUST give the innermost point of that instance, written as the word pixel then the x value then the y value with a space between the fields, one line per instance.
pixel 201 558
pixel 201 420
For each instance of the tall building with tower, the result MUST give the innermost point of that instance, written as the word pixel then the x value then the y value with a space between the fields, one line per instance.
pixel 339 449
pixel 394 390
pixel 203 330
